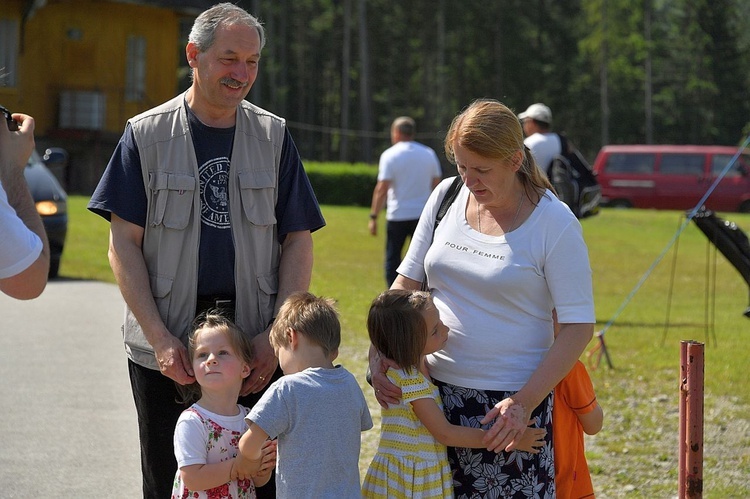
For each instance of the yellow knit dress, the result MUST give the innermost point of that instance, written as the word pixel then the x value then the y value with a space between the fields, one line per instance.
pixel 409 462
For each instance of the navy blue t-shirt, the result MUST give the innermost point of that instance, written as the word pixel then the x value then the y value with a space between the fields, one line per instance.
pixel 121 191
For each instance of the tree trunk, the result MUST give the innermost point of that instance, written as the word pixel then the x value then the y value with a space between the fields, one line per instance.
pixel 345 81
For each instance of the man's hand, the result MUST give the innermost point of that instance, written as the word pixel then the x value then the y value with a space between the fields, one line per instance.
pixel 263 366
pixel 373 226
pixel 173 360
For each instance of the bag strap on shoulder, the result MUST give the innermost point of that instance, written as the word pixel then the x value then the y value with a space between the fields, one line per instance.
pixel 450 196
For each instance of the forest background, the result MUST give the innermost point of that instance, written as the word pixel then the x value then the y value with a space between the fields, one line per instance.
pixel 613 71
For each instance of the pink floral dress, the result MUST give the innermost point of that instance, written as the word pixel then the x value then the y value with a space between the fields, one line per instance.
pixel 221 445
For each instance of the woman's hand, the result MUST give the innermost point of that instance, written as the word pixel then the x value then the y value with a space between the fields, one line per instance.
pixel 385 392
pixel 510 418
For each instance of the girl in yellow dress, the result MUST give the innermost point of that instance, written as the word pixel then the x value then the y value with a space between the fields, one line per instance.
pixel 411 461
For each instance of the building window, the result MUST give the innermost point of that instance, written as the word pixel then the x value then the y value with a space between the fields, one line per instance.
pixel 135 76
pixel 8 52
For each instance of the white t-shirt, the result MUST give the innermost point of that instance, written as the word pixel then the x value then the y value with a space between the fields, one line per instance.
pixel 544 147
pixel 19 246
pixel 496 293
pixel 410 167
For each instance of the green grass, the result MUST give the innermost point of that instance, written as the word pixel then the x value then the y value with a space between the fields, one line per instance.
pixel 635 455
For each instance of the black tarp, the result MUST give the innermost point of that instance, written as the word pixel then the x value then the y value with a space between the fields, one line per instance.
pixel 729 239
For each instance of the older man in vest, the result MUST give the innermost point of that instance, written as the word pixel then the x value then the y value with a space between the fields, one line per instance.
pixel 210 207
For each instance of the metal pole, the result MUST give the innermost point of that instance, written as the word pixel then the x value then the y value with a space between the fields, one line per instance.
pixel 683 417
pixel 691 420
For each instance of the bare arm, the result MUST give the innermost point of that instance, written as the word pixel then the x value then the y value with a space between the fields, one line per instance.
pixel 250 456
pixel 512 413
pixel 592 421
pixel 129 268
pixel 295 273
pixel 207 476
pixel 379 195
pixel 433 418
pixel 15 149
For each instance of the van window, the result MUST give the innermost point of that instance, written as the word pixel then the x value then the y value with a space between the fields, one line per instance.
pixel 682 164
pixel 719 161
pixel 630 163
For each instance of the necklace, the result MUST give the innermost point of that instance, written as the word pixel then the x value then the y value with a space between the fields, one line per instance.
pixel 515 217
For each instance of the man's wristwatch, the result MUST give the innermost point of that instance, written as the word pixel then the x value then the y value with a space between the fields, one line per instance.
pixel 373 216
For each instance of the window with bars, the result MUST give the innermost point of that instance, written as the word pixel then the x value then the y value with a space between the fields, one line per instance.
pixel 135 73
pixel 8 52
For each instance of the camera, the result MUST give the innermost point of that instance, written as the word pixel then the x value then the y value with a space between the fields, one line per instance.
pixel 12 124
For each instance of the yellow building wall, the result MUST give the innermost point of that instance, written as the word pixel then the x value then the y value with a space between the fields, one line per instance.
pixel 11 10
pixel 80 45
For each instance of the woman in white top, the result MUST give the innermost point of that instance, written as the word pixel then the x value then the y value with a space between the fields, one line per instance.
pixel 505 256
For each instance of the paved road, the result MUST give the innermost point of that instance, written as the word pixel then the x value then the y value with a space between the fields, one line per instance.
pixel 67 420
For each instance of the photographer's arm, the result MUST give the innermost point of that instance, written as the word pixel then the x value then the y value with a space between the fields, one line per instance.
pixel 15 150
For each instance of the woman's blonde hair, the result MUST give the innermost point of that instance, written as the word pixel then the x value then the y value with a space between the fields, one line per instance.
pixel 490 129
pixel 397 327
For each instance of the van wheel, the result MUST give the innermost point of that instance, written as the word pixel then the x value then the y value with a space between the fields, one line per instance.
pixel 620 203
pixel 745 207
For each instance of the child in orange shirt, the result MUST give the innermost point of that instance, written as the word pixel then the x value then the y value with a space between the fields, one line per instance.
pixel 574 412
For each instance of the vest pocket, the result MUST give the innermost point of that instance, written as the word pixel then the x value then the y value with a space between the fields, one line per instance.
pixel 268 288
pixel 161 288
pixel 172 199
pixel 258 190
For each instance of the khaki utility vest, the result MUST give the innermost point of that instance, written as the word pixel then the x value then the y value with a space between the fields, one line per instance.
pixel 172 234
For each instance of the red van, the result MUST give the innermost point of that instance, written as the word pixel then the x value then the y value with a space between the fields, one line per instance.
pixel 671 177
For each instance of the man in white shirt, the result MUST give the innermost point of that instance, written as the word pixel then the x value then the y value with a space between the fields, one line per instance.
pixel 543 143
pixel 24 249
pixel 407 173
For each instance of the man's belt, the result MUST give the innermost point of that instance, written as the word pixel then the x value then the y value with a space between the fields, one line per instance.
pixel 205 303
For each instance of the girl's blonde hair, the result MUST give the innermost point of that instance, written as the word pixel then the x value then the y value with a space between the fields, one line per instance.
pixel 241 344
pixel 491 130
pixel 397 327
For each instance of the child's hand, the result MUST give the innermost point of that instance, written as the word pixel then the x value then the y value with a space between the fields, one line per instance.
pixel 532 439
pixel 244 468
pixel 268 459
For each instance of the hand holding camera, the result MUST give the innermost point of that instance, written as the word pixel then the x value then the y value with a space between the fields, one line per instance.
pixel 12 124
pixel 17 144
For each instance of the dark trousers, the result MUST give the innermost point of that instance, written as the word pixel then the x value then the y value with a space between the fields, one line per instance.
pixel 396 234
pixel 156 402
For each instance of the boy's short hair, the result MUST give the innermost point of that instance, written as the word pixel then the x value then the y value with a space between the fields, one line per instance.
pixel 312 316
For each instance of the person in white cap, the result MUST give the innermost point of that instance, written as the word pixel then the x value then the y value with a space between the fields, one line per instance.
pixel 543 143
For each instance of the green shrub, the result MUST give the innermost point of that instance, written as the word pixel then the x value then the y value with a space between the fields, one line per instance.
pixel 342 184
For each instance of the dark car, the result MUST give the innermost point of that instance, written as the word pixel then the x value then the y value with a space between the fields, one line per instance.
pixel 50 199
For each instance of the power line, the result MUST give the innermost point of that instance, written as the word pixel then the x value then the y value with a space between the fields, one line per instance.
pixel 358 133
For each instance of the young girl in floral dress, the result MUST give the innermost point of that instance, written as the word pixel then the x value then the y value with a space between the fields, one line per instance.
pixel 207 433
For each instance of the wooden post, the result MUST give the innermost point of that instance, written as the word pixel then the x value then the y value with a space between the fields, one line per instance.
pixel 691 420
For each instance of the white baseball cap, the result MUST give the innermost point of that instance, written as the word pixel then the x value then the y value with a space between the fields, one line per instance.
pixel 538 112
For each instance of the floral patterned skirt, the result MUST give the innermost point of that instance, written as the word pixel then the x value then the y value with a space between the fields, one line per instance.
pixel 481 473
